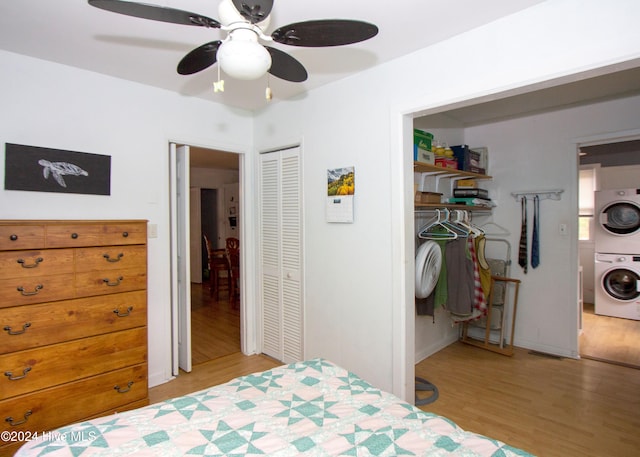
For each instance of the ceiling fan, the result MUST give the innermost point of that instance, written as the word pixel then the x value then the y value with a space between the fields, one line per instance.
pixel 240 54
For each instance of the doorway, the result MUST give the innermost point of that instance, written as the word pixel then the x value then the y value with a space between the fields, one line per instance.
pixel 208 322
pixel 605 167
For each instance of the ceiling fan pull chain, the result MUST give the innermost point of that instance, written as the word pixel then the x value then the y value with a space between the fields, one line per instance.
pixel 268 94
pixel 218 86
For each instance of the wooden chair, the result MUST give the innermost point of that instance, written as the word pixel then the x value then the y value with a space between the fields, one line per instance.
pixel 233 254
pixel 218 264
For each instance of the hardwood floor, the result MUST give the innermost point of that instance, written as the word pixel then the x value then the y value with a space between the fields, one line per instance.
pixel 215 325
pixel 212 373
pixel 544 405
pixel 610 339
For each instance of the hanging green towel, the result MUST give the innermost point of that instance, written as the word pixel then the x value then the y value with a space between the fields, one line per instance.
pixel 440 292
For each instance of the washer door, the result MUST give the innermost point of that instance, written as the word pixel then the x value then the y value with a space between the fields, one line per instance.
pixel 621 284
pixel 620 218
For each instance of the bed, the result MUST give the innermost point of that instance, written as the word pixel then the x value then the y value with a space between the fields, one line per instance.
pixel 306 408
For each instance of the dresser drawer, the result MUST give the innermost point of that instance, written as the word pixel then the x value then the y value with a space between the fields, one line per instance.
pixel 26 327
pixel 25 264
pixel 52 408
pixel 33 369
pixel 24 291
pixel 78 235
pixel 110 281
pixel 14 237
pixel 111 257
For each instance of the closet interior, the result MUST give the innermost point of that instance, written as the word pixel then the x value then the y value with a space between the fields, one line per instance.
pixel 456 283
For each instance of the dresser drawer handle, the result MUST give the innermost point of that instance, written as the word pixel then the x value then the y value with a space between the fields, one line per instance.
pixel 23 263
pixel 122 390
pixel 74 236
pixel 37 289
pixel 19 332
pixel 119 314
pixel 13 424
pixel 11 377
pixel 125 234
pixel 112 284
pixel 13 237
pixel 108 258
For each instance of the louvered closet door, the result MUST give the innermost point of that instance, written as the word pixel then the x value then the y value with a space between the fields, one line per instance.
pixel 281 254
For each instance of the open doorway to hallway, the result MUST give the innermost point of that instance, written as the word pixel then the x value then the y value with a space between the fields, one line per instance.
pixel 215 321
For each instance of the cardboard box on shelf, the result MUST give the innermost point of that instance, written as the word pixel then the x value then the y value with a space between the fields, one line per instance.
pixel 446 163
pixel 428 197
pixel 423 156
pixel 467 183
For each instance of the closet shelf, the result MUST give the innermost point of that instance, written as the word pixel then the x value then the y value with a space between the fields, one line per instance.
pixel 434 206
pixel 455 175
pixel 420 167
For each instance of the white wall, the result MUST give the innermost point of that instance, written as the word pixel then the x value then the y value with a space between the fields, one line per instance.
pixel 359 303
pixel 49 105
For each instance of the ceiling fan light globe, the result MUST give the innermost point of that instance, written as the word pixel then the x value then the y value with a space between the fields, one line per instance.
pixel 243 59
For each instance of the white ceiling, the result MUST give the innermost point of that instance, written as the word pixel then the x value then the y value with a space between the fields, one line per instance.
pixel 73 33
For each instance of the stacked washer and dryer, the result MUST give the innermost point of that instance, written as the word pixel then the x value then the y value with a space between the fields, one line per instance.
pixel 617 253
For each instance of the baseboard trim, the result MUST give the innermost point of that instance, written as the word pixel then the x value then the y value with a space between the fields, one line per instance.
pixel 611 362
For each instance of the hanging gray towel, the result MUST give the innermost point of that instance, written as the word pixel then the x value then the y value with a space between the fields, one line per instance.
pixel 460 284
pixel 425 306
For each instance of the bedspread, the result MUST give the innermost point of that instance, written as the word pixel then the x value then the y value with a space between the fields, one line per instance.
pixel 312 408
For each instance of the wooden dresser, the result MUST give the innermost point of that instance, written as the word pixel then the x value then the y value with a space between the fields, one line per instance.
pixel 73 323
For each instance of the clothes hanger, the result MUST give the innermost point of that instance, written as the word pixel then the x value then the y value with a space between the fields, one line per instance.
pixel 427 232
pixel 502 230
pixel 460 229
pixel 462 219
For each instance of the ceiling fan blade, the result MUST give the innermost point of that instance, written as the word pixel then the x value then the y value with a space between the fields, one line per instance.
pixel 254 10
pixel 200 58
pixel 324 32
pixel 285 66
pixel 155 13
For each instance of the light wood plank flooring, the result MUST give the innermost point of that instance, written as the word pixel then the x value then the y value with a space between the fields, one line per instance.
pixel 544 405
pixel 212 373
pixel 610 338
pixel 215 325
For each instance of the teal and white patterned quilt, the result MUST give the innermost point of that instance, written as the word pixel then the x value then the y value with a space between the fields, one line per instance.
pixel 312 408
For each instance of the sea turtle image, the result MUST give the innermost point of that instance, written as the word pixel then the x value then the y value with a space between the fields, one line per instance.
pixel 59 169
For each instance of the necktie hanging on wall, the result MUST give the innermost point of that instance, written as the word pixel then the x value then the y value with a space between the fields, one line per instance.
pixel 535 238
pixel 523 260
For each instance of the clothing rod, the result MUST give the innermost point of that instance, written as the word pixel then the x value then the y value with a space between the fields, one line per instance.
pixel 554 194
